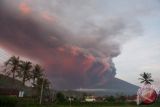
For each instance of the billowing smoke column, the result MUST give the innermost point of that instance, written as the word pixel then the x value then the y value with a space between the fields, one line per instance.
pixel 69 38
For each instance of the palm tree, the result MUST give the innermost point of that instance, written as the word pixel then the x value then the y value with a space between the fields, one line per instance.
pixel 37 73
pixel 45 83
pixel 42 84
pixel 12 66
pixel 146 78
pixel 25 71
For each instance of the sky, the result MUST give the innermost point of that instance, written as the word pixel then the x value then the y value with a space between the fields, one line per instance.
pixel 147 54
pixel 90 42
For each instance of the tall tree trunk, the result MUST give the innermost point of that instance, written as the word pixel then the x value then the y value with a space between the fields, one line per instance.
pixel 23 81
pixel 24 78
pixel 34 81
pixel 13 72
pixel 13 76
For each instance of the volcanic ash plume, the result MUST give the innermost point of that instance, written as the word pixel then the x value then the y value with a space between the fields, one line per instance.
pixel 75 47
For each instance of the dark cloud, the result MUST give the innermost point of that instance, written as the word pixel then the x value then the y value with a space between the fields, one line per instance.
pixel 73 56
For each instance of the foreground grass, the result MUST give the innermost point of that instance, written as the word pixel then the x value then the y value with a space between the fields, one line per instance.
pixel 109 105
pixel 93 105
pixel 13 102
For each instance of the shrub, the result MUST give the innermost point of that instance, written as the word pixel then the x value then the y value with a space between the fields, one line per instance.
pixel 60 98
pixel 8 101
pixel 111 99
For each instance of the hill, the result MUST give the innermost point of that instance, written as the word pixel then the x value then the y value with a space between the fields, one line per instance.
pixel 121 86
pixel 8 83
pixel 113 87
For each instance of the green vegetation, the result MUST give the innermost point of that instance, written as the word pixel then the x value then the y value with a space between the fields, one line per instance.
pixel 6 101
pixel 60 98
pixel 111 99
pixel 84 104
pixel 107 105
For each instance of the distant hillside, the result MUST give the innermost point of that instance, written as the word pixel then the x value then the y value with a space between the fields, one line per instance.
pixel 113 87
pixel 121 86
pixel 9 83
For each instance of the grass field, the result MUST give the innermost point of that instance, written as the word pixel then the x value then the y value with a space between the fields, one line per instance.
pixel 12 102
pixel 153 105
pixel 95 105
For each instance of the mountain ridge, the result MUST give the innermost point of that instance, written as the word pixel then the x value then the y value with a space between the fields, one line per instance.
pixel 113 87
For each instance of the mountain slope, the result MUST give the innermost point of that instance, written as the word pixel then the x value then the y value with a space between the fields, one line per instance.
pixel 9 83
pixel 113 87
pixel 118 86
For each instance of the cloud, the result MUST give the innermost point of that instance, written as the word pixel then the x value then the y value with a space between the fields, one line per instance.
pixel 24 8
pixel 76 48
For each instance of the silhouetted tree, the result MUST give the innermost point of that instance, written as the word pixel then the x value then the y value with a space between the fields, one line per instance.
pixel 25 71
pixel 60 97
pixel 12 66
pixel 122 98
pixel 111 99
pixel 146 78
pixel 46 86
pixel 37 73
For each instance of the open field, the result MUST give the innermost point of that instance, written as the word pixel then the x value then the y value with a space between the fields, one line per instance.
pixel 93 105
pixel 154 105
pixel 13 102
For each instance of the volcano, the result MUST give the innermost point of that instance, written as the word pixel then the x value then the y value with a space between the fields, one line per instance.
pixel 113 87
pixel 120 86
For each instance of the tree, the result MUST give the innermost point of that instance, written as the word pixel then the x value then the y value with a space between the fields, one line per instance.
pixel 25 71
pixel 37 73
pixel 12 66
pixel 122 98
pixel 146 78
pixel 46 86
pixel 60 97
pixel 111 99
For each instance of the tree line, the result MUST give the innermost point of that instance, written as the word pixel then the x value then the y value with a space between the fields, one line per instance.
pixel 25 71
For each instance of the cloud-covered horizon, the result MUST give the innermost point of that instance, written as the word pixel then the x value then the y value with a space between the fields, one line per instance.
pixel 74 40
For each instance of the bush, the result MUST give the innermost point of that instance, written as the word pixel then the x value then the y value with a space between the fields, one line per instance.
pixel 8 101
pixel 111 99
pixel 60 98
